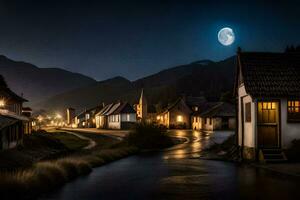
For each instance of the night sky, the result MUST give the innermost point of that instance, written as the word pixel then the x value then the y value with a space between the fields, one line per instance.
pixel 134 38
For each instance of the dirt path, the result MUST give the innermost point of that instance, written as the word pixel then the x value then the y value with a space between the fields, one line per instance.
pixel 91 144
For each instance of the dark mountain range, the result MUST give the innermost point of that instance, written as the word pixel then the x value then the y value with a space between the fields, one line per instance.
pixel 207 78
pixel 37 84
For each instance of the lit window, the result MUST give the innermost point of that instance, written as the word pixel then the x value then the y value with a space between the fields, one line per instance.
pixel 2 103
pixel 294 111
pixel 196 108
pixel 128 117
pixel 158 117
pixel 179 118
pixel 87 116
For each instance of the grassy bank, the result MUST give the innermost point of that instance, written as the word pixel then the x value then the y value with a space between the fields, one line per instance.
pixel 47 174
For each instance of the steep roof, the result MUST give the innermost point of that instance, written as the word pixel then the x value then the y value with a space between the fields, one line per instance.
pixel 124 108
pixel 222 109
pixel 105 109
pixel 7 93
pixel 113 108
pixel 179 100
pixel 270 74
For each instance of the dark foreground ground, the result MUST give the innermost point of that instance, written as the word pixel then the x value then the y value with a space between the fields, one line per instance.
pixel 179 173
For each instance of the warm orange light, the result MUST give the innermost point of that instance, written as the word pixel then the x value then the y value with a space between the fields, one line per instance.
pixel 2 103
pixel 158 117
pixel 179 118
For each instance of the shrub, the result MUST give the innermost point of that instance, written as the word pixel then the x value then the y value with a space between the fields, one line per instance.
pixel 148 136
pixel 294 151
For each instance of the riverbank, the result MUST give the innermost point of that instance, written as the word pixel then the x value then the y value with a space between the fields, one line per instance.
pixel 44 172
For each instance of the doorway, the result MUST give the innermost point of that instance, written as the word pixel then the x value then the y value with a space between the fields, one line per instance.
pixel 268 120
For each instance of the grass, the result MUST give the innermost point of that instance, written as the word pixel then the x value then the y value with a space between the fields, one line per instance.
pixel 46 175
pixel 70 141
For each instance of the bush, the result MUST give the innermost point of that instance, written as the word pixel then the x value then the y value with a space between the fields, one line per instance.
pixel 149 136
pixel 294 151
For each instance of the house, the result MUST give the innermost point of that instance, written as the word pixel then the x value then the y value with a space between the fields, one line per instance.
pixel 87 118
pixel 12 122
pixel 267 89
pixel 80 120
pixel 144 111
pixel 197 120
pixel 123 117
pixel 119 115
pixel 101 116
pixel 218 117
pixel 177 115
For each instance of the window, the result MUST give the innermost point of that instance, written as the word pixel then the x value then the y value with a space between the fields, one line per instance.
pixel 179 118
pixel 87 116
pixel 195 108
pixel 207 120
pixel 267 112
pixel 248 112
pixel 128 117
pixel 294 111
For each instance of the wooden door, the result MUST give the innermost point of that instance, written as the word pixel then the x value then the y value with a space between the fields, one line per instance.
pixel 268 124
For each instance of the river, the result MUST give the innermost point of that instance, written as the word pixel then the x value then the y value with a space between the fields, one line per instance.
pixel 179 173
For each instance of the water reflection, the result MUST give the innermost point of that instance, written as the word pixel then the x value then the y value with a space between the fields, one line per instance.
pixel 171 175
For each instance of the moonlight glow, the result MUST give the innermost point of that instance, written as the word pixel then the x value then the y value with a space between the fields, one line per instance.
pixel 226 36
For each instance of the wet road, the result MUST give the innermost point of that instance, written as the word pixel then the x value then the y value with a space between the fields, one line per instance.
pixel 178 173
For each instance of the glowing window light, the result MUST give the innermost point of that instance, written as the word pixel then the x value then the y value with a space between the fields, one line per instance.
pixel 2 103
pixel 179 118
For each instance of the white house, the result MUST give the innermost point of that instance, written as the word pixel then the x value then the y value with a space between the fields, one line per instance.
pixel 123 117
pixel 116 116
pixel 219 117
pixel 267 88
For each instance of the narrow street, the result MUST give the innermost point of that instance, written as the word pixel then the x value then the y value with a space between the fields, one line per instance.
pixel 179 173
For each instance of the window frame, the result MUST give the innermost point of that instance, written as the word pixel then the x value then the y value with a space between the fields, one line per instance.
pixel 293 117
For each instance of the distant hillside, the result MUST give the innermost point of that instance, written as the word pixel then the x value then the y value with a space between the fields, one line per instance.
pixel 198 78
pixel 37 84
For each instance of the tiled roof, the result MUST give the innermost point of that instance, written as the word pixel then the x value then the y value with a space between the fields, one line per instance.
pixel 270 74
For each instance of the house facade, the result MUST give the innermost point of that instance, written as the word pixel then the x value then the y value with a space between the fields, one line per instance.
pixel 267 89
pixel 119 115
pixel 177 115
pixel 214 116
pixel 124 117
pixel 12 122
pixel 87 118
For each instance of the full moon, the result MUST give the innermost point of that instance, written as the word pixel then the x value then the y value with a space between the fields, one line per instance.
pixel 226 36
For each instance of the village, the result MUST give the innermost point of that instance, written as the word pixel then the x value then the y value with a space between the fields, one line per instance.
pixel 264 118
